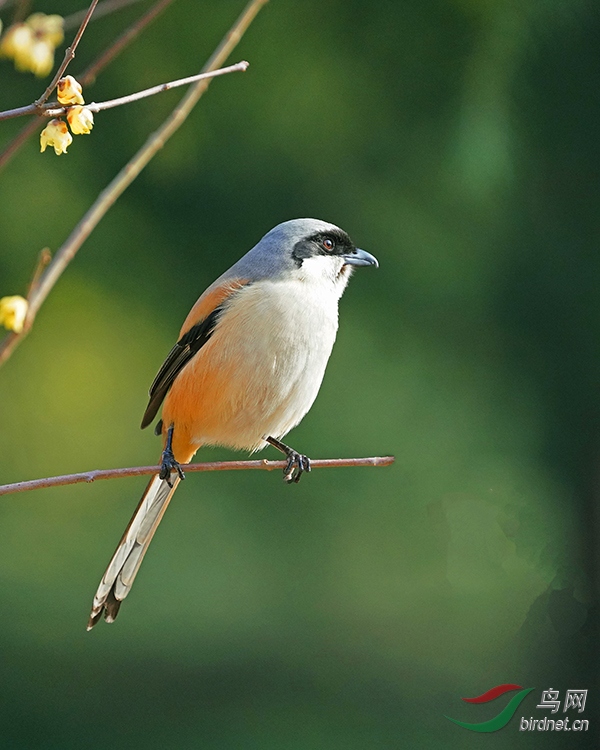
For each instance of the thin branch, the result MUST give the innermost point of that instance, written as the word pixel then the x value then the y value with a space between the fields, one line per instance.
pixel 21 11
pixel 69 55
pixel 55 110
pixel 22 137
pixel 90 74
pixel 44 259
pixel 103 9
pixel 127 175
pixel 136 471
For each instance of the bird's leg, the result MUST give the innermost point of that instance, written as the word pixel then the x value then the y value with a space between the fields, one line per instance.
pixel 297 463
pixel 168 462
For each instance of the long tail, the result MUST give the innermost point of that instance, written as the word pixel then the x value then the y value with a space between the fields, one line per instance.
pixel 118 579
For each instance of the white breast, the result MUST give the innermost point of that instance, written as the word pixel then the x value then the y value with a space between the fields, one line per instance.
pixel 272 345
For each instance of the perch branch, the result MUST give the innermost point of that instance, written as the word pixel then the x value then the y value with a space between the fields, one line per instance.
pixel 136 471
pixel 126 176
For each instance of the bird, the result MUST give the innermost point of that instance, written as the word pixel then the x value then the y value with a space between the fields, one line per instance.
pixel 247 367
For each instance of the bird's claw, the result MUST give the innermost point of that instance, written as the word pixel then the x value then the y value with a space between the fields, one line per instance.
pixel 296 465
pixel 168 465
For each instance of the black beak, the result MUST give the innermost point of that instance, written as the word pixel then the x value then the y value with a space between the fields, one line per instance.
pixel 360 258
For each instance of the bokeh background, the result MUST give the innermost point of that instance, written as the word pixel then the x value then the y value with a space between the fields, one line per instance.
pixel 458 141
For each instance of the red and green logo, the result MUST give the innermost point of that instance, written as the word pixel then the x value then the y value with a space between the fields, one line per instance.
pixel 502 719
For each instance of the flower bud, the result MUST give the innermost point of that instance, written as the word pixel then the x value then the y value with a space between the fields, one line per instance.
pixel 68 91
pixel 80 119
pixel 13 311
pixel 56 134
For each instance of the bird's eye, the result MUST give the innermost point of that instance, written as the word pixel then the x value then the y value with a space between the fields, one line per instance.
pixel 328 244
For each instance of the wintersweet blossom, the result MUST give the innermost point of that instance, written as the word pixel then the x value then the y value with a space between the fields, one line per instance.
pixel 56 134
pixel 80 119
pixel 31 44
pixel 68 91
pixel 39 59
pixel 47 27
pixel 17 41
pixel 13 311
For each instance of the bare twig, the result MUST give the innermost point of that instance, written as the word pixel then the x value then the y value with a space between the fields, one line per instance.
pixel 103 9
pixel 55 110
pixel 44 259
pixel 22 137
pixel 136 471
pixel 127 175
pixel 91 72
pixel 69 55
pixel 21 11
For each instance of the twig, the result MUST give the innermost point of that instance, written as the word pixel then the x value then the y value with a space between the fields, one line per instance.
pixel 127 175
pixel 90 74
pixel 22 137
pixel 103 9
pixel 21 11
pixel 136 471
pixel 69 55
pixel 44 259
pixel 55 110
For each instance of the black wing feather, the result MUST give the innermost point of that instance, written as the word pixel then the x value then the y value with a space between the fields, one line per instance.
pixel 187 346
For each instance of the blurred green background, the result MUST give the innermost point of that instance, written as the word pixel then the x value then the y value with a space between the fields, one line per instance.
pixel 458 141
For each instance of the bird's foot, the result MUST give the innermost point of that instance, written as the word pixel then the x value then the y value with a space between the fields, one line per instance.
pixel 168 465
pixel 297 464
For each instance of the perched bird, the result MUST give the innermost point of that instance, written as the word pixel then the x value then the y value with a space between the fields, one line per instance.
pixel 247 367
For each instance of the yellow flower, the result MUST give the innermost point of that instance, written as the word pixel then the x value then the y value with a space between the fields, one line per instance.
pixel 39 59
pixel 48 28
pixel 68 91
pixel 81 120
pixel 13 311
pixel 17 41
pixel 56 134
pixel 31 44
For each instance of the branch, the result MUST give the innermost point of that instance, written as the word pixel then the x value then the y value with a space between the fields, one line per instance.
pixel 69 55
pixel 21 11
pixel 136 471
pixel 22 137
pixel 55 110
pixel 103 9
pixel 126 176
pixel 90 74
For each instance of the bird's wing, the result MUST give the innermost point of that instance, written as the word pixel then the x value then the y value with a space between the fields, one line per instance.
pixel 193 336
